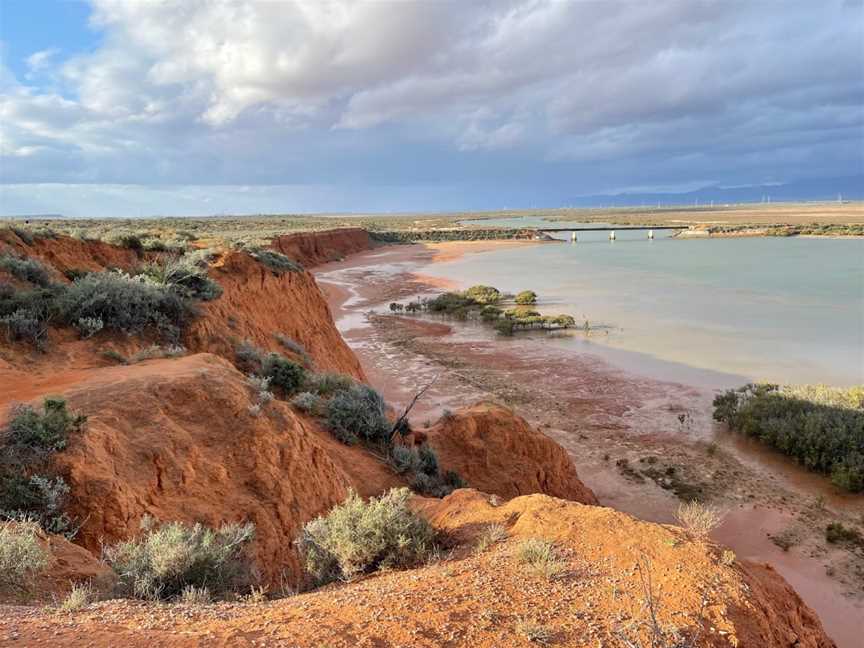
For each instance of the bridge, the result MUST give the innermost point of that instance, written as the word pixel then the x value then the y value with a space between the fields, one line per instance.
pixel 611 229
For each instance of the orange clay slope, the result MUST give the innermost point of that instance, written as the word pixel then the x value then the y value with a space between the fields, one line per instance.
pixel 484 596
pixel 175 439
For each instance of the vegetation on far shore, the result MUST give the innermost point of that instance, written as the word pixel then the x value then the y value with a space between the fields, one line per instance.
pixel 820 427
pixel 489 305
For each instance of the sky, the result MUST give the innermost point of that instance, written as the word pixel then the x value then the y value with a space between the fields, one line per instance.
pixel 139 107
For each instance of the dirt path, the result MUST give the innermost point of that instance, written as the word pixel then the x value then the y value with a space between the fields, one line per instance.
pixel 642 444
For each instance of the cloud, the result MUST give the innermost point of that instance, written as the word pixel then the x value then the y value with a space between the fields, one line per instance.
pixel 42 59
pixel 336 93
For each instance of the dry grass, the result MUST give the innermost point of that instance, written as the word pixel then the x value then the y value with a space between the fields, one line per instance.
pixel 192 595
pixel 540 557
pixel 80 596
pixel 534 632
pixel 699 519
pixel 492 534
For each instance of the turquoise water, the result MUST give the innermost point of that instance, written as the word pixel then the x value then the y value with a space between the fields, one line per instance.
pixel 778 309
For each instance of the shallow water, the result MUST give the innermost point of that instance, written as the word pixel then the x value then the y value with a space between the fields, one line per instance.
pixel 786 310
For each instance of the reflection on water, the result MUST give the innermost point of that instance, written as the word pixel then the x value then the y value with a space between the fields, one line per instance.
pixel 778 309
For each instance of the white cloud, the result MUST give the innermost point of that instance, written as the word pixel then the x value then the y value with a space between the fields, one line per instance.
pixel 40 60
pixel 338 91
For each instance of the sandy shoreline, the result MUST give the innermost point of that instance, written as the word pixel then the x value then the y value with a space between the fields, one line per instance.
pixel 622 430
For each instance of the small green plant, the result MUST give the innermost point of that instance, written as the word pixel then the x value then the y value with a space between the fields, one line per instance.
pixel 185 277
pixel 540 557
pixel 534 632
pixel 164 560
pixel 21 556
pixel 358 537
pixel 80 596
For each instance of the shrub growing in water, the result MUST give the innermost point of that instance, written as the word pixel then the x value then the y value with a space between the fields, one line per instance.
pixel 358 414
pixel 526 298
pixel 820 427
pixel 483 294
pixel 358 537
pixel 167 559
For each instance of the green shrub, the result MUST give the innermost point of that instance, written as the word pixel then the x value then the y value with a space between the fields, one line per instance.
pixel 357 414
pixel 25 235
pixel 490 313
pixel 505 327
pixel 327 384
pixel 284 375
pixel 483 294
pixel 127 304
pixel 25 269
pixel 822 428
pixel 294 347
pixel 277 262
pixel 47 431
pixel 21 556
pixel 358 537
pixel 836 533
pixel 184 277
pixel 309 403
pixel 526 298
pixel 167 559
pixel 248 357
pixel 437 485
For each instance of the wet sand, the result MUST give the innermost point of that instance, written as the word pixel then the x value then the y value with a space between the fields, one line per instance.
pixel 638 430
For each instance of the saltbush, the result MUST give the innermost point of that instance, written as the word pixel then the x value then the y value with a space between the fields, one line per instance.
pixel 26 269
pixel 359 537
pixel 21 556
pixel 165 560
pixel 128 304
pixel 822 428
pixel 277 262
pixel 309 403
pixel 284 375
pixel 357 414
pixel 185 277
pixel 47 431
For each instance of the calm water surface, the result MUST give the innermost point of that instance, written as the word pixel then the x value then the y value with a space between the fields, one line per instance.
pixel 778 309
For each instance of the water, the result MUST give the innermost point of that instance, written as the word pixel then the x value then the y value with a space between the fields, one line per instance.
pixel 786 310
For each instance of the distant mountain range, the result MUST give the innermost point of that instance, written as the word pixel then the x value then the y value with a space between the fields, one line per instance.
pixel 822 189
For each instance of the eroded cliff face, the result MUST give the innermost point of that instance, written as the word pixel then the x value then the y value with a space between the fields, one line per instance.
pixel 497 451
pixel 315 248
pixel 175 439
pixel 258 304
